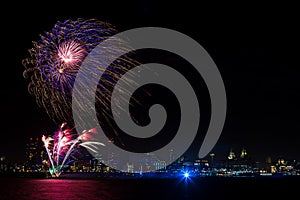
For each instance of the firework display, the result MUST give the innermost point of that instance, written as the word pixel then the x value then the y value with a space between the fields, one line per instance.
pixel 51 70
pixel 63 147
pixel 56 58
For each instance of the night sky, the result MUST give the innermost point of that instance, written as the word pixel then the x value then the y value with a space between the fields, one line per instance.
pixel 255 47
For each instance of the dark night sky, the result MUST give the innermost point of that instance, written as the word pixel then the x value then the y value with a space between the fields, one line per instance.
pixel 254 46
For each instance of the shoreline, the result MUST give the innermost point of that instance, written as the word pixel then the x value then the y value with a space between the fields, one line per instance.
pixel 118 176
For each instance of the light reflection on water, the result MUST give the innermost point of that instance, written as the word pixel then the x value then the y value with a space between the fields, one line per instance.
pixel 103 189
pixel 55 189
pixel 91 189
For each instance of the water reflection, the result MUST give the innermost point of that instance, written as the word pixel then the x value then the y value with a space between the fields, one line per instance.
pixel 55 189
pixel 156 189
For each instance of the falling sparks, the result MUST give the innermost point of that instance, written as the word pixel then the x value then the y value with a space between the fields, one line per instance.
pixel 56 58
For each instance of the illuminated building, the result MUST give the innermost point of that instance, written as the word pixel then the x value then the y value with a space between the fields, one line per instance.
pixel 273 169
pixel 160 165
pixel 231 155
pixel 3 165
pixel 112 158
pixel 130 168
pixel 201 165
pixel 281 161
pixel 241 164
pixel 149 162
pixel 268 165
pixel 171 156
pixel 212 156
pixel 33 154
pixel 243 154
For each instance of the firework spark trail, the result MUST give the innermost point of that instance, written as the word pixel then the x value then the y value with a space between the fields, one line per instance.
pixel 46 144
pixel 65 144
pixel 56 58
pixel 51 68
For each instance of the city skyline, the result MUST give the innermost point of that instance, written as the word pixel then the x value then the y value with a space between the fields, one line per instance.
pixel 35 153
pixel 236 164
pixel 257 63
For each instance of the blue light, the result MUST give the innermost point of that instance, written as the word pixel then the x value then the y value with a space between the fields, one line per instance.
pixel 186 175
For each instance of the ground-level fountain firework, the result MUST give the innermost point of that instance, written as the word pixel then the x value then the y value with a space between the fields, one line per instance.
pixel 65 144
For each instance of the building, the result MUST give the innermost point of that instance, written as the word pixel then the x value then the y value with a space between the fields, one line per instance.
pixel 35 154
pixel 3 164
pixel 160 166
pixel 231 155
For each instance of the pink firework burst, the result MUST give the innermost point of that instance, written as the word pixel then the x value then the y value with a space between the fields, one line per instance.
pixel 55 59
pixel 70 53
pixel 64 144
